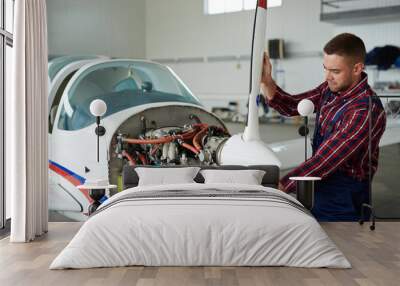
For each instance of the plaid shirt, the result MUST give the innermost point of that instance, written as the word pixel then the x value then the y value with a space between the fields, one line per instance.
pixel 346 149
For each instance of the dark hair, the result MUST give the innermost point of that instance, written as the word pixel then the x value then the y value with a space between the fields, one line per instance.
pixel 347 45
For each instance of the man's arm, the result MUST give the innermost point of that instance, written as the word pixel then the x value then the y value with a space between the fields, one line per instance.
pixel 268 85
pixel 334 151
pixel 281 101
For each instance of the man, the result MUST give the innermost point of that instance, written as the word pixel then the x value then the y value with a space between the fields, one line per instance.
pixel 344 104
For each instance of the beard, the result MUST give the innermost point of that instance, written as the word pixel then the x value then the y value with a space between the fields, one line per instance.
pixel 336 87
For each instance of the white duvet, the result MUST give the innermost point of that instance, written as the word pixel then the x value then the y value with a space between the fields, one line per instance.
pixel 185 231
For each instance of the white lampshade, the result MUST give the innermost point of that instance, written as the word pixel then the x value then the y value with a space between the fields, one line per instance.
pixel 305 107
pixel 98 107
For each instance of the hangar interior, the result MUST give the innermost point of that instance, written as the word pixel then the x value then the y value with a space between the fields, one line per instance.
pixel 210 51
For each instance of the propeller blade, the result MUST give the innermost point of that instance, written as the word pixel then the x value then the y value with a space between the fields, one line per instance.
pixel 251 131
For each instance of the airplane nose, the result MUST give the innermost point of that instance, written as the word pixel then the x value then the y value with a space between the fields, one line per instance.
pixel 236 151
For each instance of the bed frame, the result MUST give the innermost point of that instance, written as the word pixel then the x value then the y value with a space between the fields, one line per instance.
pixel 130 178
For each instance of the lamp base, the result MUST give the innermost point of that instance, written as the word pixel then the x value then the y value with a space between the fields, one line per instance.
pixel 100 130
pixel 303 130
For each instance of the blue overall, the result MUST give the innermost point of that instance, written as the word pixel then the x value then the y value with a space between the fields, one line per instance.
pixel 337 197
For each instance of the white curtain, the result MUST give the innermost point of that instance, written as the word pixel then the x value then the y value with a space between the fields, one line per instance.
pixel 26 123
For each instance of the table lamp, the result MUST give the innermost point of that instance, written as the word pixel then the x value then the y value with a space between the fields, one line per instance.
pixel 305 108
pixel 98 108
pixel 305 185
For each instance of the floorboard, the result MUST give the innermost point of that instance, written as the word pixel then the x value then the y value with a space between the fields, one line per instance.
pixel 375 257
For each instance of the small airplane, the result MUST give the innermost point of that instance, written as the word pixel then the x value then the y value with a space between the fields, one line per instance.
pixel 151 118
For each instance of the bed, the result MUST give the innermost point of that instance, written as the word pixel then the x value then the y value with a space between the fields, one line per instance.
pixel 201 224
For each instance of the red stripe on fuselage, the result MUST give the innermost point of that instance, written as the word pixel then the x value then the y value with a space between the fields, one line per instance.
pixel 70 179
pixel 262 4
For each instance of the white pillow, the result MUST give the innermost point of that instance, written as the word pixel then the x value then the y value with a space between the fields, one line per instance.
pixel 163 176
pixel 248 177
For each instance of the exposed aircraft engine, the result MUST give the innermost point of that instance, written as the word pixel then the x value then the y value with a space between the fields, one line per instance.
pixel 167 135
pixel 197 143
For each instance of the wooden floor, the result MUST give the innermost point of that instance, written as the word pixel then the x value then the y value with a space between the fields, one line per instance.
pixel 375 257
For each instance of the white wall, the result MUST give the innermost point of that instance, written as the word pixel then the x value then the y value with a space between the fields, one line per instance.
pixel 297 22
pixel 179 29
pixel 159 29
pixel 104 27
pixel 376 34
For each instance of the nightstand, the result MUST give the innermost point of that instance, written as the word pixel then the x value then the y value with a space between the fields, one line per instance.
pixel 305 190
pixel 96 192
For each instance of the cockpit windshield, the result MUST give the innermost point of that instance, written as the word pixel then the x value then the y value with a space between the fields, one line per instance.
pixel 121 84
pixel 58 63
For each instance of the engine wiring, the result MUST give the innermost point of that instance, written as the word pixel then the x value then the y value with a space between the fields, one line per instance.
pixel 190 144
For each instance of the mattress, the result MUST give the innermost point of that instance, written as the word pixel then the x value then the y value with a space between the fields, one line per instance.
pixel 201 225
